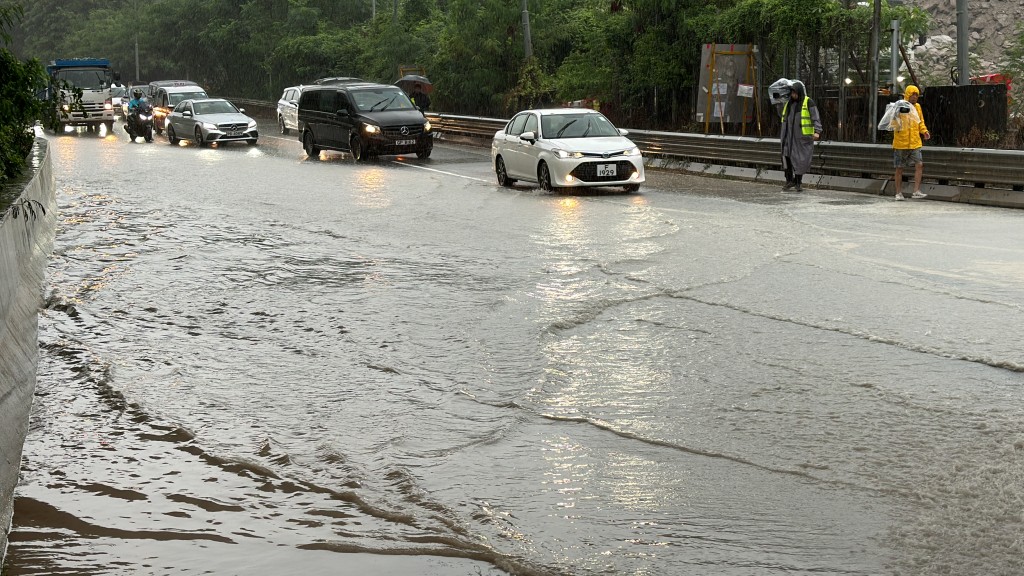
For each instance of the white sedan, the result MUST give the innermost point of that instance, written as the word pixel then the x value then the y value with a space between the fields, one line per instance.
pixel 566 148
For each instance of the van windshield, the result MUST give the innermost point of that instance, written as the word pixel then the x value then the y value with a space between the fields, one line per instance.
pixel 176 97
pixel 381 99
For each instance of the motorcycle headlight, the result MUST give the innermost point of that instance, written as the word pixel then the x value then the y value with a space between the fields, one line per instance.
pixel 634 151
pixel 427 127
pixel 371 129
pixel 144 116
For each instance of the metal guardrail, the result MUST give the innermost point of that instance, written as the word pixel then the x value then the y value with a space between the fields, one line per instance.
pixel 976 167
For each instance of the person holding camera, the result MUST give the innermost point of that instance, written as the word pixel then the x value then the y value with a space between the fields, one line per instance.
pixel 908 133
pixel 801 128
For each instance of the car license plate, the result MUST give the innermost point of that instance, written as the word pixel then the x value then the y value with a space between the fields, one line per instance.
pixel 606 170
pixel 405 143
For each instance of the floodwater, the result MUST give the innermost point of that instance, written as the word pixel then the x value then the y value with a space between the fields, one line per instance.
pixel 255 363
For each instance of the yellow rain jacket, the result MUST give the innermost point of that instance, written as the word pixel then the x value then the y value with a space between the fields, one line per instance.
pixel 909 138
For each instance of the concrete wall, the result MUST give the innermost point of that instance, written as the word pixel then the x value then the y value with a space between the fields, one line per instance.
pixel 27 231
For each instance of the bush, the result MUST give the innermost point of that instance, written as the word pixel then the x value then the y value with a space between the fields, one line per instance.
pixel 20 81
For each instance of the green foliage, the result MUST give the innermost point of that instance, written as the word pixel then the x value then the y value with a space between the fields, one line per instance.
pixel 639 56
pixel 20 81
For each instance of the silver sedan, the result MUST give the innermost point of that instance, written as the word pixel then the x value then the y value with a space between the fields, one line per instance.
pixel 210 120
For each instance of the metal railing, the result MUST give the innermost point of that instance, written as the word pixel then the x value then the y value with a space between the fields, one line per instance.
pixel 978 167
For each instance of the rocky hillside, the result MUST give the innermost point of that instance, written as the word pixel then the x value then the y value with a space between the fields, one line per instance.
pixel 993 30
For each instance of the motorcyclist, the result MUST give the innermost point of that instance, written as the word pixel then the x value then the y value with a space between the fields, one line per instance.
pixel 138 99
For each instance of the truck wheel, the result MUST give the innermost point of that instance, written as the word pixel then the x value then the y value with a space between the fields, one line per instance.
pixel 110 127
pixel 61 127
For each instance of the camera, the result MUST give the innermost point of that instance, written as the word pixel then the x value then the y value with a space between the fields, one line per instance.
pixel 904 109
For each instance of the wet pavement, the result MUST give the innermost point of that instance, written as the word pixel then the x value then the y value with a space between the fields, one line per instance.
pixel 258 363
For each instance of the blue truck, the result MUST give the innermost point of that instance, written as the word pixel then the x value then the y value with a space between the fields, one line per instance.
pixel 96 79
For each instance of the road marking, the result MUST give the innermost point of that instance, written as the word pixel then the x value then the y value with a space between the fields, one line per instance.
pixel 400 163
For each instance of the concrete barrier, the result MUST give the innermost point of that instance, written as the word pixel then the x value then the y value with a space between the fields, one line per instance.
pixel 27 229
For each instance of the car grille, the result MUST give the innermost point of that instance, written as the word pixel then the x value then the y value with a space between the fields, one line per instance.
pixel 587 172
pixel 232 127
pixel 395 132
pixel 607 155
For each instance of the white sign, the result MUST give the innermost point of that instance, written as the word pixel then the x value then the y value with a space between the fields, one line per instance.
pixel 720 88
pixel 745 91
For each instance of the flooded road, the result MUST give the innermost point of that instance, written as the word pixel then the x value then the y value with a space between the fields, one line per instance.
pixel 257 363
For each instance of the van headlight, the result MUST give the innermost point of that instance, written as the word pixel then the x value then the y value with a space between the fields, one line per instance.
pixel 371 129
pixel 427 127
pixel 634 151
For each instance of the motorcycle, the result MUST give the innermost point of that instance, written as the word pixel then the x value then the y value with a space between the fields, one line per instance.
pixel 140 122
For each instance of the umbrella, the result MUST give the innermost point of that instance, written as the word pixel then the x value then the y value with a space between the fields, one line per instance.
pixel 409 81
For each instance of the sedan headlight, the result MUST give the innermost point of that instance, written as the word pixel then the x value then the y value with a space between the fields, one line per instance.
pixel 634 151
pixel 427 127
pixel 371 129
pixel 208 126
pixel 566 154
pixel 252 124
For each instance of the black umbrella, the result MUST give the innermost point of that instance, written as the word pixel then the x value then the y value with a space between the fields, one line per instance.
pixel 409 81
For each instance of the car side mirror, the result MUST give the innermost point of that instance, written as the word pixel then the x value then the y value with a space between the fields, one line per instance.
pixel 241 110
pixel 530 137
pixel 623 132
pixel 186 114
pixel 341 113
pixel 293 102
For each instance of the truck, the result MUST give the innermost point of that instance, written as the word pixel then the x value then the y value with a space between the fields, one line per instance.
pixel 95 78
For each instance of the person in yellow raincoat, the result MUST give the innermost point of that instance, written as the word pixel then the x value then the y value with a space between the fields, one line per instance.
pixel 907 142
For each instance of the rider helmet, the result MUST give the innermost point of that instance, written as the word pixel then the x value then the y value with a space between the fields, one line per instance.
pixel 137 93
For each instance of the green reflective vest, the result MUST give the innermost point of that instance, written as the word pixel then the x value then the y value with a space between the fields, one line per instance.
pixel 806 124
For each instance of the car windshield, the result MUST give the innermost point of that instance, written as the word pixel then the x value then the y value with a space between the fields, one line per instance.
pixel 214 107
pixel 576 126
pixel 382 99
pixel 87 79
pixel 173 99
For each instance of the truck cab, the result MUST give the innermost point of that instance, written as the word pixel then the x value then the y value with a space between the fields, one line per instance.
pixel 94 77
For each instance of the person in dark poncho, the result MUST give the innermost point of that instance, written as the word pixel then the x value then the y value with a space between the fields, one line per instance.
pixel 801 128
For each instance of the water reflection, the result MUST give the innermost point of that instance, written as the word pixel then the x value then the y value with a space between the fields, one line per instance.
pixel 371 189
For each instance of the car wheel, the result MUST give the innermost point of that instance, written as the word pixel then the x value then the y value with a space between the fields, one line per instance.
pixel 251 142
pixel 309 145
pixel 502 173
pixel 280 122
pixel 424 154
pixel 171 136
pixel 632 188
pixel 544 178
pixel 198 138
pixel 358 148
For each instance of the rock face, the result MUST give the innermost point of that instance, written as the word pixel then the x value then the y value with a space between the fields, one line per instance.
pixel 993 31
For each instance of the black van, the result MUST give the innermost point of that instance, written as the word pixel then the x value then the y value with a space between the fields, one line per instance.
pixel 364 119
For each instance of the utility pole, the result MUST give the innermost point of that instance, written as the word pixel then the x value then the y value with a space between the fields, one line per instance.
pixel 374 9
pixel 844 70
pixel 527 39
pixel 394 15
pixel 876 23
pixel 894 60
pixel 963 37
